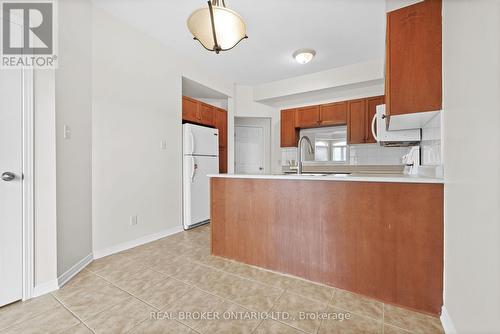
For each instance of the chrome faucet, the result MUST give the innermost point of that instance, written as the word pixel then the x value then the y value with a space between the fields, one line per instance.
pixel 299 152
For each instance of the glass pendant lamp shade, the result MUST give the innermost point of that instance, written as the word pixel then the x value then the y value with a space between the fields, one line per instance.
pixel 217 28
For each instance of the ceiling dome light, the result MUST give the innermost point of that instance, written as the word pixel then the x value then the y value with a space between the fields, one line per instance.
pixel 303 56
pixel 216 27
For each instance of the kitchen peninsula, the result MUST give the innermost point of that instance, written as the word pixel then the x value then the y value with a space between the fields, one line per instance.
pixel 379 236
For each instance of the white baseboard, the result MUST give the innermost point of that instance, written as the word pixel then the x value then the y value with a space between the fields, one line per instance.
pixel 44 288
pixel 448 326
pixel 71 272
pixel 136 242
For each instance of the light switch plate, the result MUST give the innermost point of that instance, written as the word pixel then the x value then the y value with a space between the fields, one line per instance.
pixel 163 144
pixel 67 132
pixel 133 220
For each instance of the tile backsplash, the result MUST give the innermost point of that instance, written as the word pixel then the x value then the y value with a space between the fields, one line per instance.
pixel 374 154
pixel 367 154
pixel 431 142
pixel 288 155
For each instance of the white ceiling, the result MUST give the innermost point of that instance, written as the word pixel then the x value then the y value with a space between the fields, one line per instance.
pixel 342 32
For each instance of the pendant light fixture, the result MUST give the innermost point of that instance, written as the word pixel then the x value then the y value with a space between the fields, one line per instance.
pixel 216 27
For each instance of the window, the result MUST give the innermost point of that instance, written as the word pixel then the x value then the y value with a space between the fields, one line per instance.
pixel 330 144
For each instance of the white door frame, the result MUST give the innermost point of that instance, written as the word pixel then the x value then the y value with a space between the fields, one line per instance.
pixel 28 181
pixel 264 122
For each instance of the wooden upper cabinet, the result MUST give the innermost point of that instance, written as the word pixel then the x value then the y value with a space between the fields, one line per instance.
pixel 207 114
pixel 371 109
pixel 356 121
pixel 333 113
pixel 307 117
pixel 357 114
pixel 220 122
pixel 414 59
pixel 190 110
pixel 289 132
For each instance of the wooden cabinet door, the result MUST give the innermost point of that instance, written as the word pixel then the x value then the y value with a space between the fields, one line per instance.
pixel 222 160
pixel 289 133
pixel 333 113
pixel 207 114
pixel 371 109
pixel 307 117
pixel 414 59
pixel 356 121
pixel 220 122
pixel 190 110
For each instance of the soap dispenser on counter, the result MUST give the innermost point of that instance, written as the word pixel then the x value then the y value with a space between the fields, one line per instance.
pixel 411 160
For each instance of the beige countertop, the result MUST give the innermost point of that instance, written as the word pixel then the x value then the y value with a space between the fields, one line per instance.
pixel 355 177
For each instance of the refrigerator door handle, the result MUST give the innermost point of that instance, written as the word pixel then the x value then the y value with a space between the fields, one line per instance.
pixel 192 140
pixel 193 169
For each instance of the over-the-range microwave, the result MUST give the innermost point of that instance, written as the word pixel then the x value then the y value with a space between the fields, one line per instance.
pixel 392 137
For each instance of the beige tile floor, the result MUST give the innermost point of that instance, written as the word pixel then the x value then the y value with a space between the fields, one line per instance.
pixel 174 285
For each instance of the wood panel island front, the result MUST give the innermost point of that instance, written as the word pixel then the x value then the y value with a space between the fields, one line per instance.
pixel 379 237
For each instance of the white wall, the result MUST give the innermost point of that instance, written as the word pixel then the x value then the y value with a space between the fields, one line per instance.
pixel 220 103
pixel 137 89
pixel 334 78
pixel 45 215
pixel 471 119
pixel 343 93
pixel 74 154
pixel 391 5
pixel 245 106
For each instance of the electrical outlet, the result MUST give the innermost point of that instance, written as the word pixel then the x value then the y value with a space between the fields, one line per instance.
pixel 133 220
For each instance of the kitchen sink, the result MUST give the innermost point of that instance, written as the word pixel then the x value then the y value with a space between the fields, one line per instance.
pixel 319 174
pixel 308 174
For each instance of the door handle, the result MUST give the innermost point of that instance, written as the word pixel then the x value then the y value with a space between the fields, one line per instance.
pixel 261 168
pixel 192 141
pixel 8 176
pixel 194 167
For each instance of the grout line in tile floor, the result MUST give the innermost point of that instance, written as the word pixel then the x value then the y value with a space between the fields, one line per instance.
pixel 130 293
pixel 141 300
pixel 196 255
pixel 164 306
pixel 383 318
pixel 257 281
pixel 73 313
pixel 183 324
pixel 327 304
pixel 94 273
pixel 33 315
pixel 283 291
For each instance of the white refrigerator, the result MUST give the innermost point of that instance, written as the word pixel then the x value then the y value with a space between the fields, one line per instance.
pixel 200 148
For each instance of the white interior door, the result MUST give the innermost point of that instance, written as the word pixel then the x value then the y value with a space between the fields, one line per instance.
pixel 249 150
pixel 11 186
